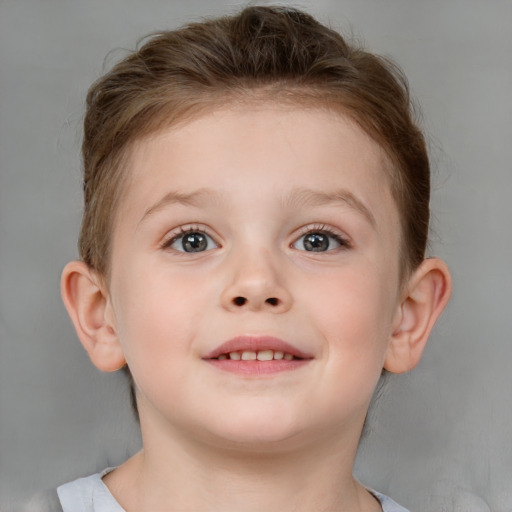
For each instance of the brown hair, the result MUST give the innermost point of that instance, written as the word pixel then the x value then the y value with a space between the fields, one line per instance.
pixel 262 53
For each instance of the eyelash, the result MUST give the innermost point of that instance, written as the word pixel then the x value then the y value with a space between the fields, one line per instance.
pixel 182 231
pixel 325 230
pixel 315 228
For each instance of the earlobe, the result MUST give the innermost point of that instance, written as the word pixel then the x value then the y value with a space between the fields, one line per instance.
pixel 88 304
pixel 425 298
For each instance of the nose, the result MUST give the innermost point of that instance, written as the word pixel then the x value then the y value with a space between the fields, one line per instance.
pixel 255 284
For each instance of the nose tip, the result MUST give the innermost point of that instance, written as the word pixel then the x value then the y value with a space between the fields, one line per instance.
pixel 255 284
pixel 255 278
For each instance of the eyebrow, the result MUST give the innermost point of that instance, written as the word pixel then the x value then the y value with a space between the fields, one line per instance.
pixel 304 196
pixel 195 198
pixel 296 198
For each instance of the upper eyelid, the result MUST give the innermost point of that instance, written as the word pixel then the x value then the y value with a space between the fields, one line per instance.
pixel 179 231
pixel 182 230
pixel 324 228
pixel 341 237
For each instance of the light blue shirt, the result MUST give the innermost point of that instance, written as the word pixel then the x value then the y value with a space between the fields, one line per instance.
pixel 90 494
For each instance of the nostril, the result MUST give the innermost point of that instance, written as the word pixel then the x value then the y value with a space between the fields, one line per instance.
pixel 242 301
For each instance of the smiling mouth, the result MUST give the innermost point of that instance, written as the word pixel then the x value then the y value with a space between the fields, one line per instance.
pixel 257 355
pixel 260 355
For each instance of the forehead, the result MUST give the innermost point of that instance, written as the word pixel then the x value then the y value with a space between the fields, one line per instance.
pixel 260 151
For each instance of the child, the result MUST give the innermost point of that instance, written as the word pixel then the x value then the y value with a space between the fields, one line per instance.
pixel 256 216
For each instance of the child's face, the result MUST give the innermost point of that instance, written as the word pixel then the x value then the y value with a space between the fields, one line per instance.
pixel 291 234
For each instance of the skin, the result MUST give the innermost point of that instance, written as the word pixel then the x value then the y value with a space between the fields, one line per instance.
pixel 256 181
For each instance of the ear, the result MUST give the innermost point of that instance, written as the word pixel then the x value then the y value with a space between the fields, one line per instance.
pixel 88 304
pixel 426 295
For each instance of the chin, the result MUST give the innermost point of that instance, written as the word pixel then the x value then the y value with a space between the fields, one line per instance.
pixel 259 432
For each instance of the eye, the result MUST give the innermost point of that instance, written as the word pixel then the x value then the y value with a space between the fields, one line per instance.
pixel 191 241
pixel 319 241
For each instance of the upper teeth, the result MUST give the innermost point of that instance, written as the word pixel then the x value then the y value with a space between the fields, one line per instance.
pixel 260 355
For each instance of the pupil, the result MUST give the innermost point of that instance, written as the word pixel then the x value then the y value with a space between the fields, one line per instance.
pixel 316 242
pixel 194 242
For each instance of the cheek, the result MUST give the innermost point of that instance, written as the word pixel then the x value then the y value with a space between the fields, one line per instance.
pixel 354 310
pixel 158 319
pixel 356 326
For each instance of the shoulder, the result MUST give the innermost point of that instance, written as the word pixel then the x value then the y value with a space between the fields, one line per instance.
pixel 388 505
pixel 87 494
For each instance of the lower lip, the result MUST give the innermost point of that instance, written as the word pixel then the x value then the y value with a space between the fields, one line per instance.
pixel 255 368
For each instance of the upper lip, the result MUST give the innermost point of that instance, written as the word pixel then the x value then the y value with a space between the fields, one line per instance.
pixel 255 344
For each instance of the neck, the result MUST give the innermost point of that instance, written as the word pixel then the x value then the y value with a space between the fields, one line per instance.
pixel 178 474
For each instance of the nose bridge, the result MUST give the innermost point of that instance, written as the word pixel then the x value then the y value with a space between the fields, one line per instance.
pixel 256 281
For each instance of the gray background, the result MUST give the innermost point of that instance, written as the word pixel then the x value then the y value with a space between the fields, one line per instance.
pixel 439 438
